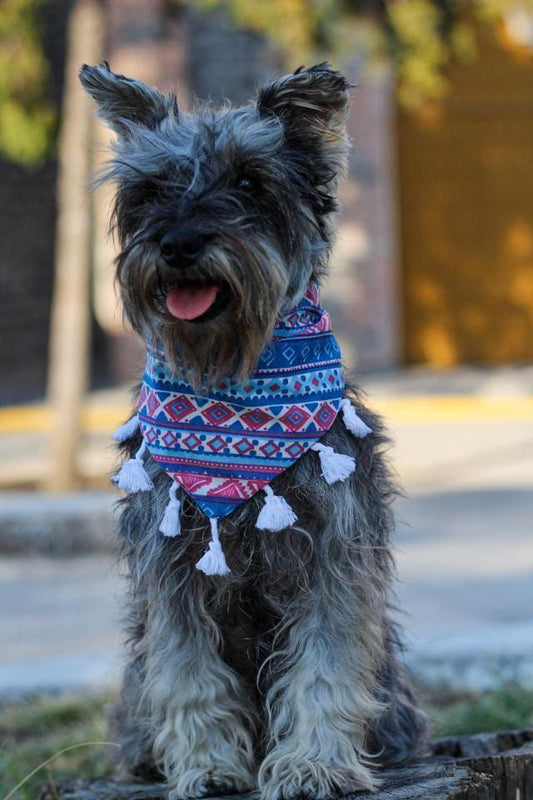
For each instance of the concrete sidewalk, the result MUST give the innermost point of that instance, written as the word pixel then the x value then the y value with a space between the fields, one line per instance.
pixel 464 549
pixel 465 565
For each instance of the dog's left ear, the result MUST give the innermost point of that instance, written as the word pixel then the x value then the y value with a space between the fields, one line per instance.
pixel 311 103
pixel 123 100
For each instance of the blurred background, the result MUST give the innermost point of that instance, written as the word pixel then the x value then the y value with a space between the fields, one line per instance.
pixel 431 294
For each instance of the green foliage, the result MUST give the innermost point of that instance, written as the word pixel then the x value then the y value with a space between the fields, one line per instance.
pixel 34 729
pixel 506 708
pixel 27 118
pixel 420 50
pixel 421 37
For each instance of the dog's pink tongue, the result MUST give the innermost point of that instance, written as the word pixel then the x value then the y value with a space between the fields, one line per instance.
pixel 190 302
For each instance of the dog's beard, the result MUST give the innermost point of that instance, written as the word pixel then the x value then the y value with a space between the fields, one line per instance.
pixel 253 283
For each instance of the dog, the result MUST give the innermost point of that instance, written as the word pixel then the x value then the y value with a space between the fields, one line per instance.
pixel 258 659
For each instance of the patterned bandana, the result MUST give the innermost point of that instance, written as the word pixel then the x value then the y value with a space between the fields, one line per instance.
pixel 225 445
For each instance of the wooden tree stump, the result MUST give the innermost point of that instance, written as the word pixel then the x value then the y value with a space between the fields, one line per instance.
pixel 487 766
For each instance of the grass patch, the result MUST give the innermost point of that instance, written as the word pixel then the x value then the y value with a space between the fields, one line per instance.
pixel 457 714
pixel 34 729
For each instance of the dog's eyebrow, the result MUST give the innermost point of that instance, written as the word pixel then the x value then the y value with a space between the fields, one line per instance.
pixel 146 175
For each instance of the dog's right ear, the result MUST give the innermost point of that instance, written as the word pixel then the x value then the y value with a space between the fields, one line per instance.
pixel 312 105
pixel 316 97
pixel 122 100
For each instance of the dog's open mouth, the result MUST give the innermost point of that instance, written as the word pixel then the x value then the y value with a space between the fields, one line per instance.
pixel 196 302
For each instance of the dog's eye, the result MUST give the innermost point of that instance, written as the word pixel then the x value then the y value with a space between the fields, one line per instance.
pixel 246 183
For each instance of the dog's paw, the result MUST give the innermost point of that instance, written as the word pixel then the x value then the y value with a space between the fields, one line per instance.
pixel 291 779
pixel 213 782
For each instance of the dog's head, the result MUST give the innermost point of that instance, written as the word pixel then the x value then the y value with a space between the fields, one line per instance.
pixel 223 215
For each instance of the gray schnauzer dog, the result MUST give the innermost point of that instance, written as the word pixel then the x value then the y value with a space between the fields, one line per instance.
pixel 283 676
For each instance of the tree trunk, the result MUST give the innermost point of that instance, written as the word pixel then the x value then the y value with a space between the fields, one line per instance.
pixel 489 766
pixel 70 329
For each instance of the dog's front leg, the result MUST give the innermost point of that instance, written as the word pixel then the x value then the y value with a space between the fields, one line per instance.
pixel 320 701
pixel 201 710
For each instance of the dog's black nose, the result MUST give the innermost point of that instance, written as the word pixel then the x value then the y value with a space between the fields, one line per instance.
pixel 180 248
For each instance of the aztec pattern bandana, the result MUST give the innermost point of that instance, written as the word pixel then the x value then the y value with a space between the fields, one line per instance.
pixel 224 446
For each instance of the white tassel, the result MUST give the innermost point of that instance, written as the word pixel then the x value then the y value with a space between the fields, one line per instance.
pixel 352 422
pixel 213 561
pixel 170 524
pixel 335 466
pixel 127 430
pixel 276 513
pixel 133 476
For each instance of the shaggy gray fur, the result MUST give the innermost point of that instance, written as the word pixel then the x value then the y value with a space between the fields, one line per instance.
pixel 283 676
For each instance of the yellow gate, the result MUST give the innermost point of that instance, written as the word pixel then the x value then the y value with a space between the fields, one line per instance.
pixel 466 211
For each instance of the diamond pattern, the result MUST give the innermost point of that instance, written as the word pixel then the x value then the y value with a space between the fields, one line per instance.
pixel 191 441
pixel 218 413
pixel 269 449
pixel 295 418
pixel 243 446
pixel 217 444
pixel 169 439
pixel 268 355
pixel 150 435
pixel 325 416
pixel 179 407
pixel 152 403
pixel 256 419
pixel 288 353
pixel 295 450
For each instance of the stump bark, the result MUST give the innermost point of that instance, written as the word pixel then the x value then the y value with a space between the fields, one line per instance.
pixel 487 766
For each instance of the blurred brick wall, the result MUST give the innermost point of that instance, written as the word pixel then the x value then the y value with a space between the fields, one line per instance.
pixel 225 62
pixel 363 290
